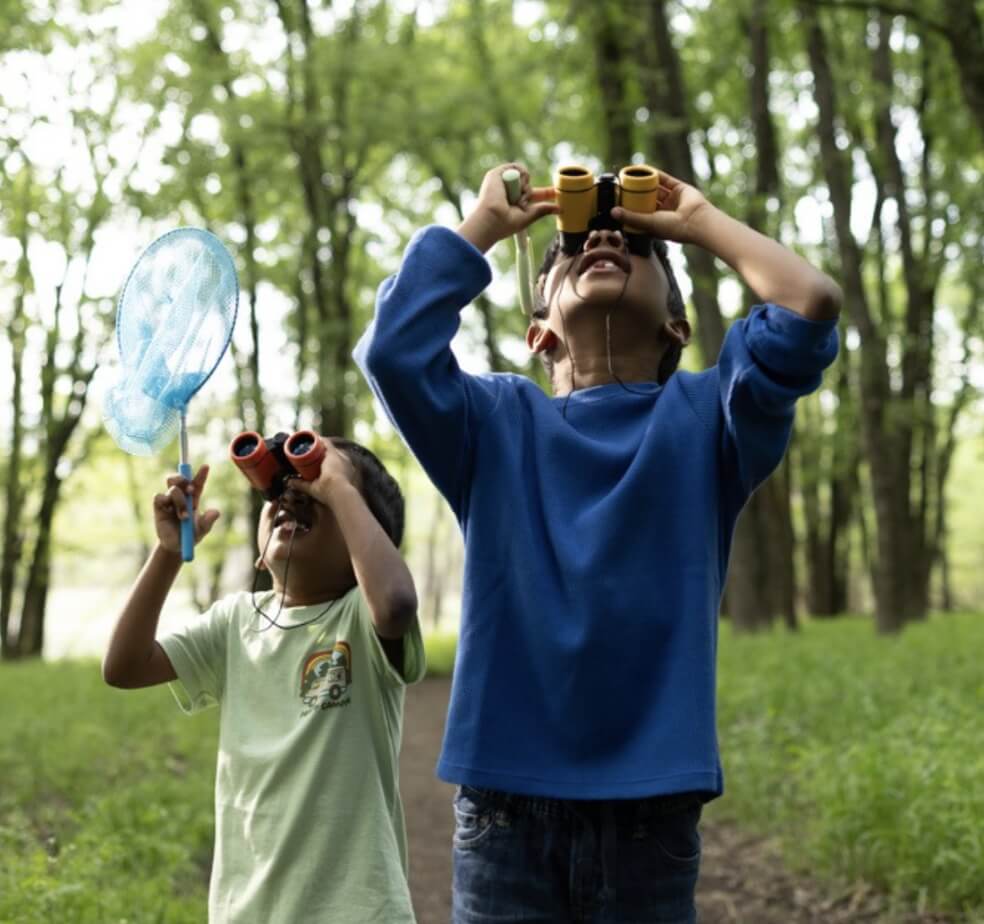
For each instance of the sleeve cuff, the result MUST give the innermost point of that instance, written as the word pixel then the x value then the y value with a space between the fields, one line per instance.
pixel 789 344
pixel 443 249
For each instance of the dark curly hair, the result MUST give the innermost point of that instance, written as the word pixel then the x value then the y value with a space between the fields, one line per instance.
pixel 674 302
pixel 379 488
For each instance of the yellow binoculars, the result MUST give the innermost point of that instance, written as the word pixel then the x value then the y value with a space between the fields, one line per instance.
pixel 586 202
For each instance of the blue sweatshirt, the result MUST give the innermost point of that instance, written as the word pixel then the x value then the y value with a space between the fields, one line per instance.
pixel 596 545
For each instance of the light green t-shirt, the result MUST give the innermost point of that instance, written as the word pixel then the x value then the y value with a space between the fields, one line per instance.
pixel 308 820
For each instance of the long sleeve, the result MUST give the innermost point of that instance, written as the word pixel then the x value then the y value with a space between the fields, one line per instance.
pixel 405 355
pixel 768 361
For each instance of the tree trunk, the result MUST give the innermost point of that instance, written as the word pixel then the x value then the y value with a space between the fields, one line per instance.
pixel 610 65
pixel 966 36
pixel 30 641
pixel 670 127
pixel 14 494
pixel 766 530
pixel 881 432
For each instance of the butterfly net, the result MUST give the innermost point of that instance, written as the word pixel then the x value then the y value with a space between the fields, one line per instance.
pixel 173 324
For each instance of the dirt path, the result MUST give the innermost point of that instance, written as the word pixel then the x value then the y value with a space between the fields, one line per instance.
pixel 742 878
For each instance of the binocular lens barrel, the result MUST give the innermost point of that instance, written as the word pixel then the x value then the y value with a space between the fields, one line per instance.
pixel 300 446
pixel 253 458
pixel 640 188
pixel 305 451
pixel 577 198
pixel 585 203
pixel 244 445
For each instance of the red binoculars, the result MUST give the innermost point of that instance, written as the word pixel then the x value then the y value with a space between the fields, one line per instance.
pixel 269 463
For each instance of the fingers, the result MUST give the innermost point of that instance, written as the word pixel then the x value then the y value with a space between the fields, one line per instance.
pixel 637 221
pixel 200 478
pixel 179 500
pixel 539 210
pixel 543 194
pixel 204 523
pixel 181 488
pixel 163 504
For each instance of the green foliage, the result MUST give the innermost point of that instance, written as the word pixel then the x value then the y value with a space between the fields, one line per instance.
pixel 864 754
pixel 106 807
pixel 441 647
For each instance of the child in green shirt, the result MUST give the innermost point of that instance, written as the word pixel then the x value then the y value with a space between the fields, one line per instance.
pixel 309 823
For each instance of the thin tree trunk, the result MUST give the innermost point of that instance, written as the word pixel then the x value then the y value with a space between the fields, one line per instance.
pixel 610 64
pixel 14 494
pixel 670 128
pixel 888 482
pixel 961 27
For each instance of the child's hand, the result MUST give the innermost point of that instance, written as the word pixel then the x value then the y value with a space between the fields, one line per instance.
pixel 171 508
pixel 336 471
pixel 680 210
pixel 493 218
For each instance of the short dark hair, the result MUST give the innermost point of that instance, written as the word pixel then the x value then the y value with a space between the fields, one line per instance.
pixel 674 303
pixel 379 488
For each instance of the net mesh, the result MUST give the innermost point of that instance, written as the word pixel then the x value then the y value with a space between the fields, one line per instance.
pixel 173 324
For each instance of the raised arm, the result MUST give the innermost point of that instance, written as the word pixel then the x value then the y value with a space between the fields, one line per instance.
pixel 406 354
pixel 773 272
pixel 383 576
pixel 777 354
pixel 134 659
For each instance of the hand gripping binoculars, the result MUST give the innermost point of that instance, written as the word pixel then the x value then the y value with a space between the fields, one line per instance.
pixel 270 463
pixel 586 203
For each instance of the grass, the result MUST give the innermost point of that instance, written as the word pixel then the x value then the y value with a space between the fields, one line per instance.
pixel 106 802
pixel 105 808
pixel 864 755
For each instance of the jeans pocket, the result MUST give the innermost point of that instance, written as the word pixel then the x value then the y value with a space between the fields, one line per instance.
pixel 676 836
pixel 474 817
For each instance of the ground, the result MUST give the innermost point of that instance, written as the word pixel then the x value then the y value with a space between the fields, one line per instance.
pixel 743 879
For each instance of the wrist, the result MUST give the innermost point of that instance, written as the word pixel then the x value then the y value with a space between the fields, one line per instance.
pixel 477 230
pixel 705 226
pixel 167 557
pixel 334 489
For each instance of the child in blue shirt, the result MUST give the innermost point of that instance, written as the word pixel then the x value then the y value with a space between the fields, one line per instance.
pixel 597 524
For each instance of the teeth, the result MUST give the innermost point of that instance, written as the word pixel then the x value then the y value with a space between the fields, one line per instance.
pixel 292 526
pixel 286 521
pixel 603 264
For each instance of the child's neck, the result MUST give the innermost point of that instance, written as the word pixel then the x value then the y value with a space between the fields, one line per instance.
pixel 309 593
pixel 591 367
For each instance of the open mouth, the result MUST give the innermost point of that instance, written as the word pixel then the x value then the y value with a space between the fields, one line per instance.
pixel 603 260
pixel 290 521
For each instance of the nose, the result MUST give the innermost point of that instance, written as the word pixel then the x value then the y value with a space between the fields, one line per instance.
pixel 605 237
pixel 295 499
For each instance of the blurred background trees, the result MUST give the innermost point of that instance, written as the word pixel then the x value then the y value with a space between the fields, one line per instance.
pixel 315 137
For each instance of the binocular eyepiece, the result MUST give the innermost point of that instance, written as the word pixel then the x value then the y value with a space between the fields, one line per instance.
pixel 270 463
pixel 585 203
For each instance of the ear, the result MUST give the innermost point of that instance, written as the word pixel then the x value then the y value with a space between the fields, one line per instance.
pixel 539 338
pixel 678 329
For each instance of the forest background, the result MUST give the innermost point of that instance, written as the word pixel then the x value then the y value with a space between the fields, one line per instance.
pixel 315 137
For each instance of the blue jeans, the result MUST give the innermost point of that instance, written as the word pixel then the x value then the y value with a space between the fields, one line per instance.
pixel 558 861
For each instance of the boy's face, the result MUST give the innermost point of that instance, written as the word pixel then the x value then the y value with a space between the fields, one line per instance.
pixel 299 526
pixel 605 275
